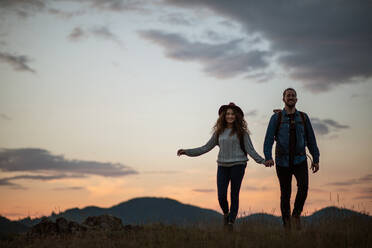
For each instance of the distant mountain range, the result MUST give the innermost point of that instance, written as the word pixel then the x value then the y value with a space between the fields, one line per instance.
pixel 141 211
pixel 150 210
pixel 8 226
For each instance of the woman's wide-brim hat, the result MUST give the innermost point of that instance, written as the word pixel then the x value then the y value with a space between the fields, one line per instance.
pixel 232 106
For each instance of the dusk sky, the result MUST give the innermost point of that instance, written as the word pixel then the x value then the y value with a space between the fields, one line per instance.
pixel 97 96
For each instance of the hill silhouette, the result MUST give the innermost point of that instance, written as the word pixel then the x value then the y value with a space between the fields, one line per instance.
pixel 141 211
pixel 7 226
pixel 147 210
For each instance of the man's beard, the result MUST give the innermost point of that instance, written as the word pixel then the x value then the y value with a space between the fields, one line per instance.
pixel 290 105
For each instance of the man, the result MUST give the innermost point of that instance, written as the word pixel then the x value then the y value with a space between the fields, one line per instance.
pixel 292 131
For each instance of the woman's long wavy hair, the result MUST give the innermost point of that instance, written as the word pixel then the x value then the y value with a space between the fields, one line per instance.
pixel 239 126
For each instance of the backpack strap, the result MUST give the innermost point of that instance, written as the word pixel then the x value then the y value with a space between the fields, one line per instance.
pixel 303 118
pixel 278 122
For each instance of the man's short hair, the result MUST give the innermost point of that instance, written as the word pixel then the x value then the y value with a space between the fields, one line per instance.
pixel 285 91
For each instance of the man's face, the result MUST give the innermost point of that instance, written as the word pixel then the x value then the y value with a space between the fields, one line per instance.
pixel 290 98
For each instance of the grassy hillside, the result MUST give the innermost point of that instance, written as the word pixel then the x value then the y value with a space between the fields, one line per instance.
pixel 352 231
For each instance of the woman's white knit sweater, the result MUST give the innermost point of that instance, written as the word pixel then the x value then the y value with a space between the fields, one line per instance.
pixel 230 151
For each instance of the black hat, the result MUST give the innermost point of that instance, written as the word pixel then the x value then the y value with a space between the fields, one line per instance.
pixel 232 106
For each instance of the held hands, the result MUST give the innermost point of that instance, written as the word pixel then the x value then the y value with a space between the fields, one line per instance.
pixel 269 163
pixel 180 152
pixel 314 167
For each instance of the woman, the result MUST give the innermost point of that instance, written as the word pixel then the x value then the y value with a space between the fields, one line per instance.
pixel 231 134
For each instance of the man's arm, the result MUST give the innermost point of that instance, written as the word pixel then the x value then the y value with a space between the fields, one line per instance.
pixel 269 137
pixel 311 141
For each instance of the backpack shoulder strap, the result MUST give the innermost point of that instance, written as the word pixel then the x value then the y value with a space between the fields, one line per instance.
pixel 303 118
pixel 278 122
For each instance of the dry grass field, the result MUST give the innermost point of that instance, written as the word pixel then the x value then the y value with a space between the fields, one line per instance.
pixel 341 232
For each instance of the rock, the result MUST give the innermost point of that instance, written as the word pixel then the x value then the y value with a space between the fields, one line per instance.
pixel 104 222
pixel 75 228
pixel 62 225
pixel 45 227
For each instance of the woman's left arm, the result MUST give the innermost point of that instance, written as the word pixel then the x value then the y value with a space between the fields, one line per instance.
pixel 251 151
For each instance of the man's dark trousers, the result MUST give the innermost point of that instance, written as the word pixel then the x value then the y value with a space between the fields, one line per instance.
pixel 284 174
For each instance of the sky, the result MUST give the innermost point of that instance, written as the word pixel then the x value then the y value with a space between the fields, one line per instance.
pixel 97 96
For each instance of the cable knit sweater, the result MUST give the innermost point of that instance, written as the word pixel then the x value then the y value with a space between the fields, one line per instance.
pixel 230 152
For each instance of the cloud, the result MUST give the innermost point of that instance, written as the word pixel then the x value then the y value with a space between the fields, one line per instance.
pixel 7 181
pixel 39 160
pixel 326 126
pixel 317 190
pixel 105 33
pixel 19 63
pixel 177 19
pixel 363 197
pixel 204 190
pixel 27 8
pixel 366 193
pixel 76 34
pixel 335 124
pixel 361 180
pixel 366 190
pixel 253 112
pixel 102 32
pixel 160 172
pixel 11 214
pixel 23 8
pixel 366 178
pixel 357 95
pixel 68 188
pixel 261 77
pixel 254 188
pixel 65 14
pixel 5 117
pixel 117 5
pixel 214 36
pixel 223 60
pixel 320 43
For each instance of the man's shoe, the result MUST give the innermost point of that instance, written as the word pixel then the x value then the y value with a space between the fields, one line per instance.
pixel 287 224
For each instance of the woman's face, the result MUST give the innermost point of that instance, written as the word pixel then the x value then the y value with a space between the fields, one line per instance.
pixel 230 116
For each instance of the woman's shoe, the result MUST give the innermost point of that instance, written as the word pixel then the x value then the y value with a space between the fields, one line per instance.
pixel 226 219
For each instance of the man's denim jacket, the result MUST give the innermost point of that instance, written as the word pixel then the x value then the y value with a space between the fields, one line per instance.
pixel 282 141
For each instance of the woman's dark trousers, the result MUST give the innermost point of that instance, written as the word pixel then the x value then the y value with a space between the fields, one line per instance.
pixel 225 175
pixel 284 174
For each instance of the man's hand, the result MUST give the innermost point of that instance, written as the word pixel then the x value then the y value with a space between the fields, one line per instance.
pixel 314 167
pixel 269 163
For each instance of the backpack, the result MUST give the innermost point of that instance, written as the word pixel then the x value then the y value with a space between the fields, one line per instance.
pixel 279 121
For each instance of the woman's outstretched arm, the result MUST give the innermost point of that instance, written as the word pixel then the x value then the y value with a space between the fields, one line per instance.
pixel 212 142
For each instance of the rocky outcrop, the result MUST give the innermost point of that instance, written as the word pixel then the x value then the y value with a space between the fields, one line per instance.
pixel 103 222
pixel 47 227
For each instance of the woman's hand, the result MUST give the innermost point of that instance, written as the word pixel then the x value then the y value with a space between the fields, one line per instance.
pixel 180 152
